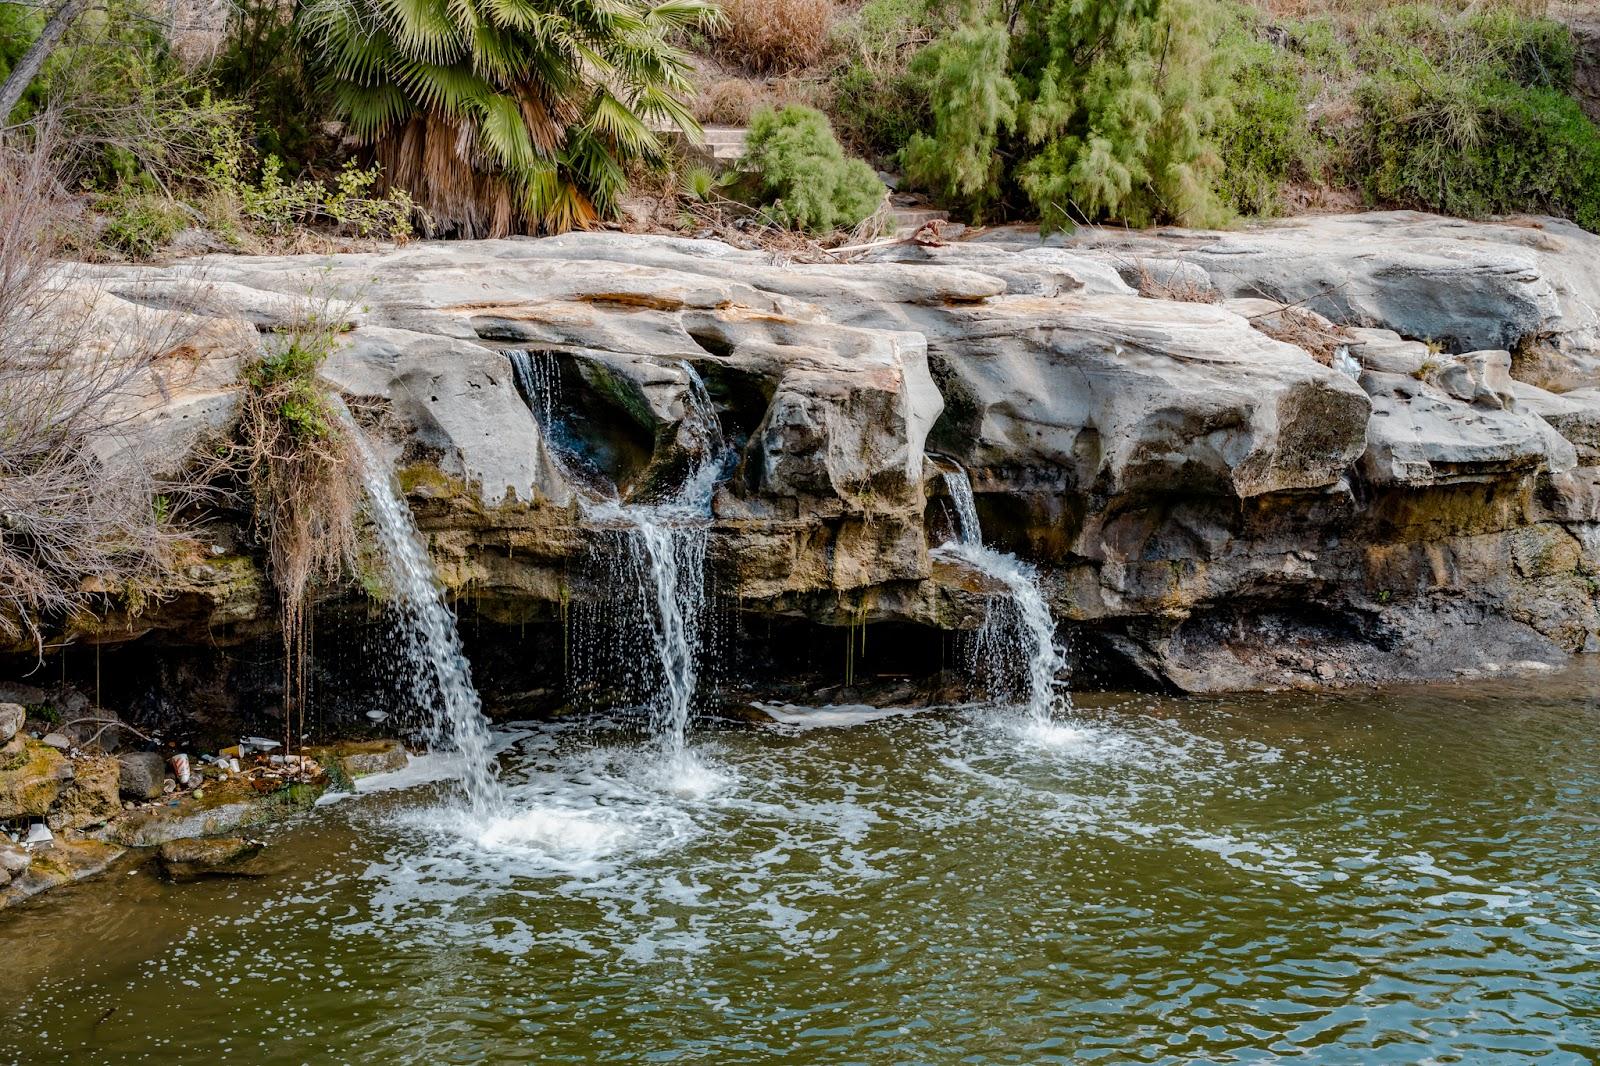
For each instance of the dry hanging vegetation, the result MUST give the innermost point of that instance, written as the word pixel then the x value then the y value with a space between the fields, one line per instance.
pixel 75 523
pixel 1305 329
pixel 301 467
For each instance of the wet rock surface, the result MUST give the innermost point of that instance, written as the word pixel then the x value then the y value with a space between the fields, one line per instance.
pixel 220 808
pixel 194 857
pixel 1211 508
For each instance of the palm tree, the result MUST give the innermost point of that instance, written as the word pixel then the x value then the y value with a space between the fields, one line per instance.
pixel 506 116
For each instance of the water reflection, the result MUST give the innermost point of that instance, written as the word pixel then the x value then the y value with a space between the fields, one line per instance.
pixel 1403 877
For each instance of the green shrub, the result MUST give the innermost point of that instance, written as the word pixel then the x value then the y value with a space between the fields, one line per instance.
pixel 1266 140
pixel 262 64
pixel 1094 109
pixel 275 204
pixel 875 102
pixel 878 111
pixel 1468 115
pixel 140 222
pixel 1474 149
pixel 798 173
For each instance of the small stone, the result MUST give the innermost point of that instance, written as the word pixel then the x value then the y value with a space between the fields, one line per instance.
pixel 12 715
pixel 1325 671
pixel 58 741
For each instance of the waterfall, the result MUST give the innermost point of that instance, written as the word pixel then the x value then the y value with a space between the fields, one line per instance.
pixel 436 669
pixel 1022 624
pixel 660 558
pixel 673 559
pixel 539 377
pixel 668 542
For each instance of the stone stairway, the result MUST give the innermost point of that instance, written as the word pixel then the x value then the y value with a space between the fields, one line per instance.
pixel 725 144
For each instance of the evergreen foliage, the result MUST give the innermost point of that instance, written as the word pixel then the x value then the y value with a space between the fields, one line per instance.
pixel 800 176
pixel 1469 115
pixel 507 115
pixel 1091 108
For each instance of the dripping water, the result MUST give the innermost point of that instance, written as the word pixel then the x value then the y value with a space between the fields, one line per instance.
pixel 436 669
pixel 539 377
pixel 1024 621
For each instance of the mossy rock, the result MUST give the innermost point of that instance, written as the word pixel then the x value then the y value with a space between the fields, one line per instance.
pixel 352 759
pixel 226 807
pixel 30 780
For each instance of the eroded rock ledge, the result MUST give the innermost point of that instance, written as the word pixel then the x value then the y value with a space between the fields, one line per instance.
pixel 1212 508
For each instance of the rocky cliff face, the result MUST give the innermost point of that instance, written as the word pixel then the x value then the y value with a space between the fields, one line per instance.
pixel 1210 506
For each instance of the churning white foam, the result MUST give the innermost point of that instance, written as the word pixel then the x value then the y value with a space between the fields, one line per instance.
pixel 831 715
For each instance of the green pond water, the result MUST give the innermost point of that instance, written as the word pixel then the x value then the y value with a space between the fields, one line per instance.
pixel 1403 877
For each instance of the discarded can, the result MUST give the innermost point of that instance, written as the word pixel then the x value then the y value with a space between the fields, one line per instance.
pixel 180 768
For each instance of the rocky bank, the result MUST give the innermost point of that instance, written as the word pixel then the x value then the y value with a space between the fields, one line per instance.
pixel 1417 496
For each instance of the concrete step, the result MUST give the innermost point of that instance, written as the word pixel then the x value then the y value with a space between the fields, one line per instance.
pixel 914 218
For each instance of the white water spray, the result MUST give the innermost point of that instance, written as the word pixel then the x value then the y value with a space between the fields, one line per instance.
pixel 1025 621
pixel 437 670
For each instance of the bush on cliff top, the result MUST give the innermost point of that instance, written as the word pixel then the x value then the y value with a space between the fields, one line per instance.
pixel 1469 115
pixel 1464 112
pixel 1090 109
pixel 798 173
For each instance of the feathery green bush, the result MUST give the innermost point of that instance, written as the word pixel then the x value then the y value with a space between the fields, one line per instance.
pixel 798 173
pixel 1092 109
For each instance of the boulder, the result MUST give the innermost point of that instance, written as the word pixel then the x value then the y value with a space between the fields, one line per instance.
pixel 31 777
pixel 373 757
pixel 194 857
pixel 1123 396
pixel 1421 435
pixel 140 775
pixel 92 798
pixel 1575 415
pixel 359 758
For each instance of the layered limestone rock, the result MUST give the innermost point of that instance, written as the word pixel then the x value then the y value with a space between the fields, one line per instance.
pixel 1217 508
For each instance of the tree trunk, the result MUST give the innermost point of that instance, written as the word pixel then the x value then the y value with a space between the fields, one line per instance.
pixel 23 74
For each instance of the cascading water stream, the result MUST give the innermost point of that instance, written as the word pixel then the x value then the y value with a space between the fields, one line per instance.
pixel 665 545
pixel 539 376
pixel 437 671
pixel 668 541
pixel 1034 627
